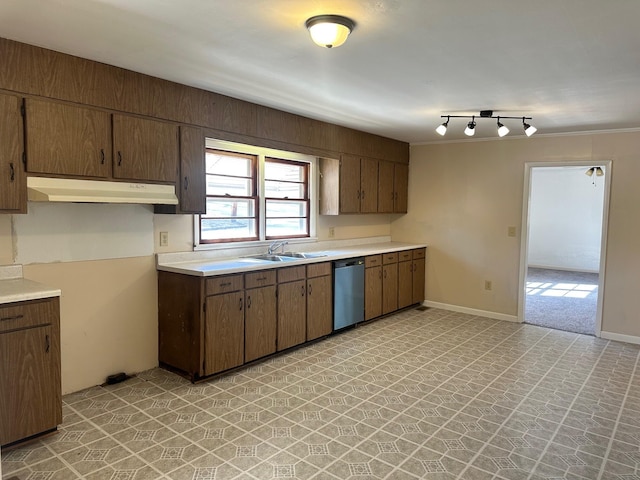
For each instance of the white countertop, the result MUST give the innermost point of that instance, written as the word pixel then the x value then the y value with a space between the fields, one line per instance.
pixel 14 288
pixel 208 267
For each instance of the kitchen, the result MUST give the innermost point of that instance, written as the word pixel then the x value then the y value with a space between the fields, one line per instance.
pixel 109 297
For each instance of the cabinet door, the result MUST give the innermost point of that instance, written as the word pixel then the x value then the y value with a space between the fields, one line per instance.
pixel 372 292
pixel 400 186
pixel 349 184
pixel 319 311
pixel 192 170
pixel 389 288
pixel 144 149
pixel 28 383
pixel 260 322
pixel 292 314
pixel 405 284
pixel 368 185
pixel 224 332
pixel 13 187
pixel 385 187
pixel 67 140
pixel 418 280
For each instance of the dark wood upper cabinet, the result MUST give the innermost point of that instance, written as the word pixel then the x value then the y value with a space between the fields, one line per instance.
pixel 349 184
pixel 13 187
pixel 192 182
pixel 67 140
pixel 400 187
pixel 144 149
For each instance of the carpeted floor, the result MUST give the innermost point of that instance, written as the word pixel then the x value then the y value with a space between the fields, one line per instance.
pixel 562 300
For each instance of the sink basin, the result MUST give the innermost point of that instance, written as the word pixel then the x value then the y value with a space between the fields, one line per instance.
pixel 271 258
pixel 304 254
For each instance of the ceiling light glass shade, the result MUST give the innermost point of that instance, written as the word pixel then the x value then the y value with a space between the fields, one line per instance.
pixel 470 131
pixel 529 129
pixel 442 129
pixel 329 30
pixel 502 130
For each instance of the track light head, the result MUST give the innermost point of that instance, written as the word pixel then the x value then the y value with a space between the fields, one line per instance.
pixel 502 130
pixel 442 129
pixel 599 172
pixel 470 131
pixel 589 172
pixel 528 129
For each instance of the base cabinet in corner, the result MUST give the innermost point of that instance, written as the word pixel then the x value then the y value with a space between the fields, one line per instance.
pixel 30 382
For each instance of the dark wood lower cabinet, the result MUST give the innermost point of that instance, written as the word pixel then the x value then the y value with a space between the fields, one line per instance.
pixel 260 323
pixel 319 306
pixel 292 314
pixel 224 332
pixel 405 284
pixel 30 388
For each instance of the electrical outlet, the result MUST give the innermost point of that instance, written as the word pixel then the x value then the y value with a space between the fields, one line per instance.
pixel 487 285
pixel 332 232
pixel 511 231
pixel 164 239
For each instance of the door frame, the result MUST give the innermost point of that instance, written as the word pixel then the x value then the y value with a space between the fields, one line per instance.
pixel 524 241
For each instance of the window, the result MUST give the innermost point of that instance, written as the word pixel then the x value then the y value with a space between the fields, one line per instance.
pixel 231 198
pixel 287 198
pixel 255 194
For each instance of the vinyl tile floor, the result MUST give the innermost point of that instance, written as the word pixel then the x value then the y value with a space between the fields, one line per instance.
pixel 421 394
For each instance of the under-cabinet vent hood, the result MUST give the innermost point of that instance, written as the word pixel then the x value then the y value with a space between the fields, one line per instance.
pixel 41 189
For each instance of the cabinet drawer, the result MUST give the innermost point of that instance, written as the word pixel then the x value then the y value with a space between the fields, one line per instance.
pixel 228 283
pixel 16 316
pixel 404 256
pixel 390 258
pixel 318 269
pixel 260 279
pixel 291 274
pixel 373 261
pixel 419 253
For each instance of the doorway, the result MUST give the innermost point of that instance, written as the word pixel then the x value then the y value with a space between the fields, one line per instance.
pixel 562 262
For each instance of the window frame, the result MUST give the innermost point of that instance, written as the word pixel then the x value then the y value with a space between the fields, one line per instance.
pixel 262 153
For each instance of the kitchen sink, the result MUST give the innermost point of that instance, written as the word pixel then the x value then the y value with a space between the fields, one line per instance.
pixel 271 258
pixel 304 254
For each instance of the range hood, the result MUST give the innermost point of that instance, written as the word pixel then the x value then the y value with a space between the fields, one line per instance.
pixel 41 189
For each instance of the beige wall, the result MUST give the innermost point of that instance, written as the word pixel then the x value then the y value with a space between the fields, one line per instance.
pixel 463 197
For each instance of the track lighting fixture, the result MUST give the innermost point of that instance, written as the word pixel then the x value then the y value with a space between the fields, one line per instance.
pixel 470 130
pixel 442 129
pixel 597 170
pixel 502 130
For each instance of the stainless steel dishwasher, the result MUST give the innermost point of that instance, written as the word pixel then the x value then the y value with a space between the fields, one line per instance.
pixel 348 292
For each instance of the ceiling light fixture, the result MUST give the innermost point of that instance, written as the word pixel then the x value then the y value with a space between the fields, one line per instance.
pixel 502 129
pixel 597 170
pixel 470 131
pixel 442 129
pixel 330 31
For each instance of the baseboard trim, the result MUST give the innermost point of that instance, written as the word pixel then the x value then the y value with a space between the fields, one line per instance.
pixel 619 337
pixel 472 311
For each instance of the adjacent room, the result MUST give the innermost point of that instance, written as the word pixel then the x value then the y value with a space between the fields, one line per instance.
pixel 319 240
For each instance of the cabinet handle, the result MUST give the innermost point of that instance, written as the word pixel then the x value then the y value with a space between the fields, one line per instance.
pixel 226 284
pixel 47 343
pixel 380 274
pixel 358 194
pixel 302 290
pixel 186 182
pixel 309 289
pixel 119 158
pixel 261 279
pixel 363 194
pixel 102 156
pixel 240 304
pixel 12 175
pixel 15 317
pixel 249 302
pixel 385 274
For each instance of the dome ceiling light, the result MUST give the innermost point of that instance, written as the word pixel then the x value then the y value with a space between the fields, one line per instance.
pixel 502 129
pixel 330 31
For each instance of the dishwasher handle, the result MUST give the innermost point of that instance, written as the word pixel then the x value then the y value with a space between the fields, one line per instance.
pixel 349 262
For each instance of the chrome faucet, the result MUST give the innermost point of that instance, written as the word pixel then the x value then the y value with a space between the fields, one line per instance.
pixel 276 245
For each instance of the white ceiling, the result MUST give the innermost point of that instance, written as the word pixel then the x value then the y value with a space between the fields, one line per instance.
pixel 572 65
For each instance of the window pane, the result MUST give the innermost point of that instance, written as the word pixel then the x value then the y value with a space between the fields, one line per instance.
pixel 276 189
pixel 227 228
pixel 282 227
pixel 277 208
pixel 229 164
pixel 221 185
pixel 290 172
pixel 234 207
